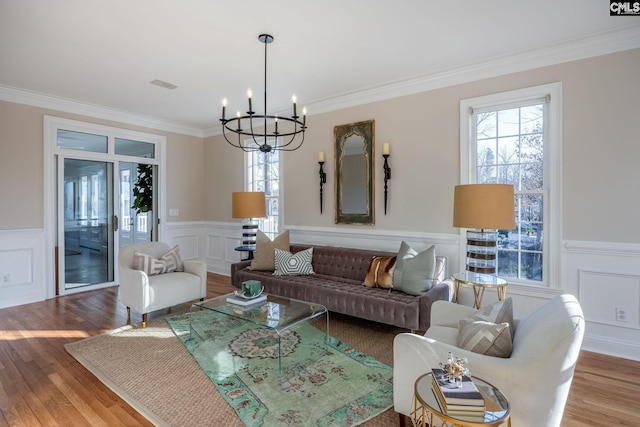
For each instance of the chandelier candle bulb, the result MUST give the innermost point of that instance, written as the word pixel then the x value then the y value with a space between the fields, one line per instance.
pixel 249 95
pixel 224 107
pixel 276 121
pixel 385 149
pixel 294 99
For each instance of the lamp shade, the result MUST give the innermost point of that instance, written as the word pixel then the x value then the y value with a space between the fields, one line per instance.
pixel 248 204
pixel 484 206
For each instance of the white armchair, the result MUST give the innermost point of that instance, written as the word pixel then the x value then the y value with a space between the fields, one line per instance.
pixel 536 378
pixel 146 293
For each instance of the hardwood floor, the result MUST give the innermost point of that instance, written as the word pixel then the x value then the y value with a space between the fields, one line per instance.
pixel 42 385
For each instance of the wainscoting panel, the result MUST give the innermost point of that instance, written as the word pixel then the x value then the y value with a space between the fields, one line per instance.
pixel 22 266
pixel 610 298
pixel 605 277
pixel 189 246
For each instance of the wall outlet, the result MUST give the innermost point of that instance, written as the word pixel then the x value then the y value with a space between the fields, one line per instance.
pixel 174 212
pixel 6 278
pixel 621 314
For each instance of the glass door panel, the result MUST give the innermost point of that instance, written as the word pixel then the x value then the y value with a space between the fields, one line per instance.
pixel 88 223
pixel 136 203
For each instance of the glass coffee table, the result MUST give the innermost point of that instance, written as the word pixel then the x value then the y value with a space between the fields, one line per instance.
pixel 276 313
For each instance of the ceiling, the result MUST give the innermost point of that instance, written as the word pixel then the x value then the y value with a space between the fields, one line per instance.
pixel 330 53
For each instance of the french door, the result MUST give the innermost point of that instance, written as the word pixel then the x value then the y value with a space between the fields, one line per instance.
pixel 105 197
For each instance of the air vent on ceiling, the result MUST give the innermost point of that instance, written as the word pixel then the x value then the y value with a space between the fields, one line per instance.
pixel 163 84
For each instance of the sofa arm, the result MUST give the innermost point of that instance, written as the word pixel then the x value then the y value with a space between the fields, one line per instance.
pixel 199 268
pixel 440 292
pixel 235 267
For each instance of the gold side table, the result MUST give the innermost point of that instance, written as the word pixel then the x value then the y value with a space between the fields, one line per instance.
pixel 426 409
pixel 479 282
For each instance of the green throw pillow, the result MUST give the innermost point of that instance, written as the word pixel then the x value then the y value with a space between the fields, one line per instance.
pixel 414 271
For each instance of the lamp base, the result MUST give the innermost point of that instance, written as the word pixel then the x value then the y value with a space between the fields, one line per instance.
pixel 482 251
pixel 249 231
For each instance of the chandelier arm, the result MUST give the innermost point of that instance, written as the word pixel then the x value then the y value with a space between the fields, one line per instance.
pixel 297 126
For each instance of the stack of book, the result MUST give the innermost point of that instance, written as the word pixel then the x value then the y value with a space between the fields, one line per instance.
pixel 465 402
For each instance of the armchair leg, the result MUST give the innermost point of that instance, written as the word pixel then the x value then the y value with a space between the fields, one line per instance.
pixel 144 320
pixel 402 419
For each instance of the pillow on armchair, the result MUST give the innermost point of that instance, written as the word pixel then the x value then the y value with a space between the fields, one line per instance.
pixel 167 263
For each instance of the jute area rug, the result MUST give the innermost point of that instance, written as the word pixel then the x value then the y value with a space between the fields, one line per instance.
pixel 153 371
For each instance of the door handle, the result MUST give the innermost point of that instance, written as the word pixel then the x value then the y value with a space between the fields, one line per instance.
pixel 115 223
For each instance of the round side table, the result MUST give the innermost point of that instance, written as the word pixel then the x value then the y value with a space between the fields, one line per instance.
pixel 480 282
pixel 426 409
pixel 246 248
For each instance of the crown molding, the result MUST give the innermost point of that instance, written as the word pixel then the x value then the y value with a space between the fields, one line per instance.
pixel 569 50
pixel 21 96
pixel 596 44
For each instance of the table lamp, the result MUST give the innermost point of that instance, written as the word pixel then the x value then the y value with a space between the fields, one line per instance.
pixel 487 207
pixel 248 205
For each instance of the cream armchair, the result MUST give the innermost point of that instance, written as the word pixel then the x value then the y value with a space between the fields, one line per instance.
pixel 146 293
pixel 536 378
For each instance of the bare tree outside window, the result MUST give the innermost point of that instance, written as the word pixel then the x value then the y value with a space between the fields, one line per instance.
pixel 510 150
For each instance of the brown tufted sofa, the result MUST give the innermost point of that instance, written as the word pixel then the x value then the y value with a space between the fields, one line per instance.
pixel 338 286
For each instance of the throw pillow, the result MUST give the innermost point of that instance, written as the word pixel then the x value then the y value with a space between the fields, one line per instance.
pixel 298 264
pixel 414 272
pixel 380 272
pixel 490 339
pixel 172 260
pixel 498 312
pixel 167 263
pixel 148 264
pixel 264 258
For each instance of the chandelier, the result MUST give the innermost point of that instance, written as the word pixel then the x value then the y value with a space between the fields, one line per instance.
pixel 281 131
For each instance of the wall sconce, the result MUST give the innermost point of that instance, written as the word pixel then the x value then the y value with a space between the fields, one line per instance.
pixel 323 176
pixel 387 172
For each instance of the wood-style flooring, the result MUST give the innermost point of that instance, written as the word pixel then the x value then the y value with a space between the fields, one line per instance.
pixel 42 385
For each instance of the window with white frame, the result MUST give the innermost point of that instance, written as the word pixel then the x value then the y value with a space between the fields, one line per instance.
pixel 263 174
pixel 514 138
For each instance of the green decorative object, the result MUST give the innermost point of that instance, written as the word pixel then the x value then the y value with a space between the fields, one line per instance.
pixel 322 384
pixel 143 190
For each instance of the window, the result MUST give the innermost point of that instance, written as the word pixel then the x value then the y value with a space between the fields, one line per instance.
pixel 514 138
pixel 263 174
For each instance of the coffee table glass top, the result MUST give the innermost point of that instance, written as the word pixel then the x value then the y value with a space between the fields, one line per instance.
pixel 277 313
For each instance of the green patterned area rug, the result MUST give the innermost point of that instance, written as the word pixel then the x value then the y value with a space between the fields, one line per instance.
pixel 322 384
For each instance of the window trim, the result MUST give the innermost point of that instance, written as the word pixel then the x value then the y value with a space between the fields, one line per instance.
pixel 552 167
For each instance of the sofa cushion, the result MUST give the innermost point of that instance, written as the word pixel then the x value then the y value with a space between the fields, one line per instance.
pixel 264 258
pixel 298 264
pixel 414 272
pixel 490 339
pixel 380 272
pixel 167 263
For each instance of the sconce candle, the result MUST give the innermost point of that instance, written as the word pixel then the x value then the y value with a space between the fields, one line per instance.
pixel 321 157
pixel 387 173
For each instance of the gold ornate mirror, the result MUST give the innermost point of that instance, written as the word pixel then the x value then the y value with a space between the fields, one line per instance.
pixel 354 173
